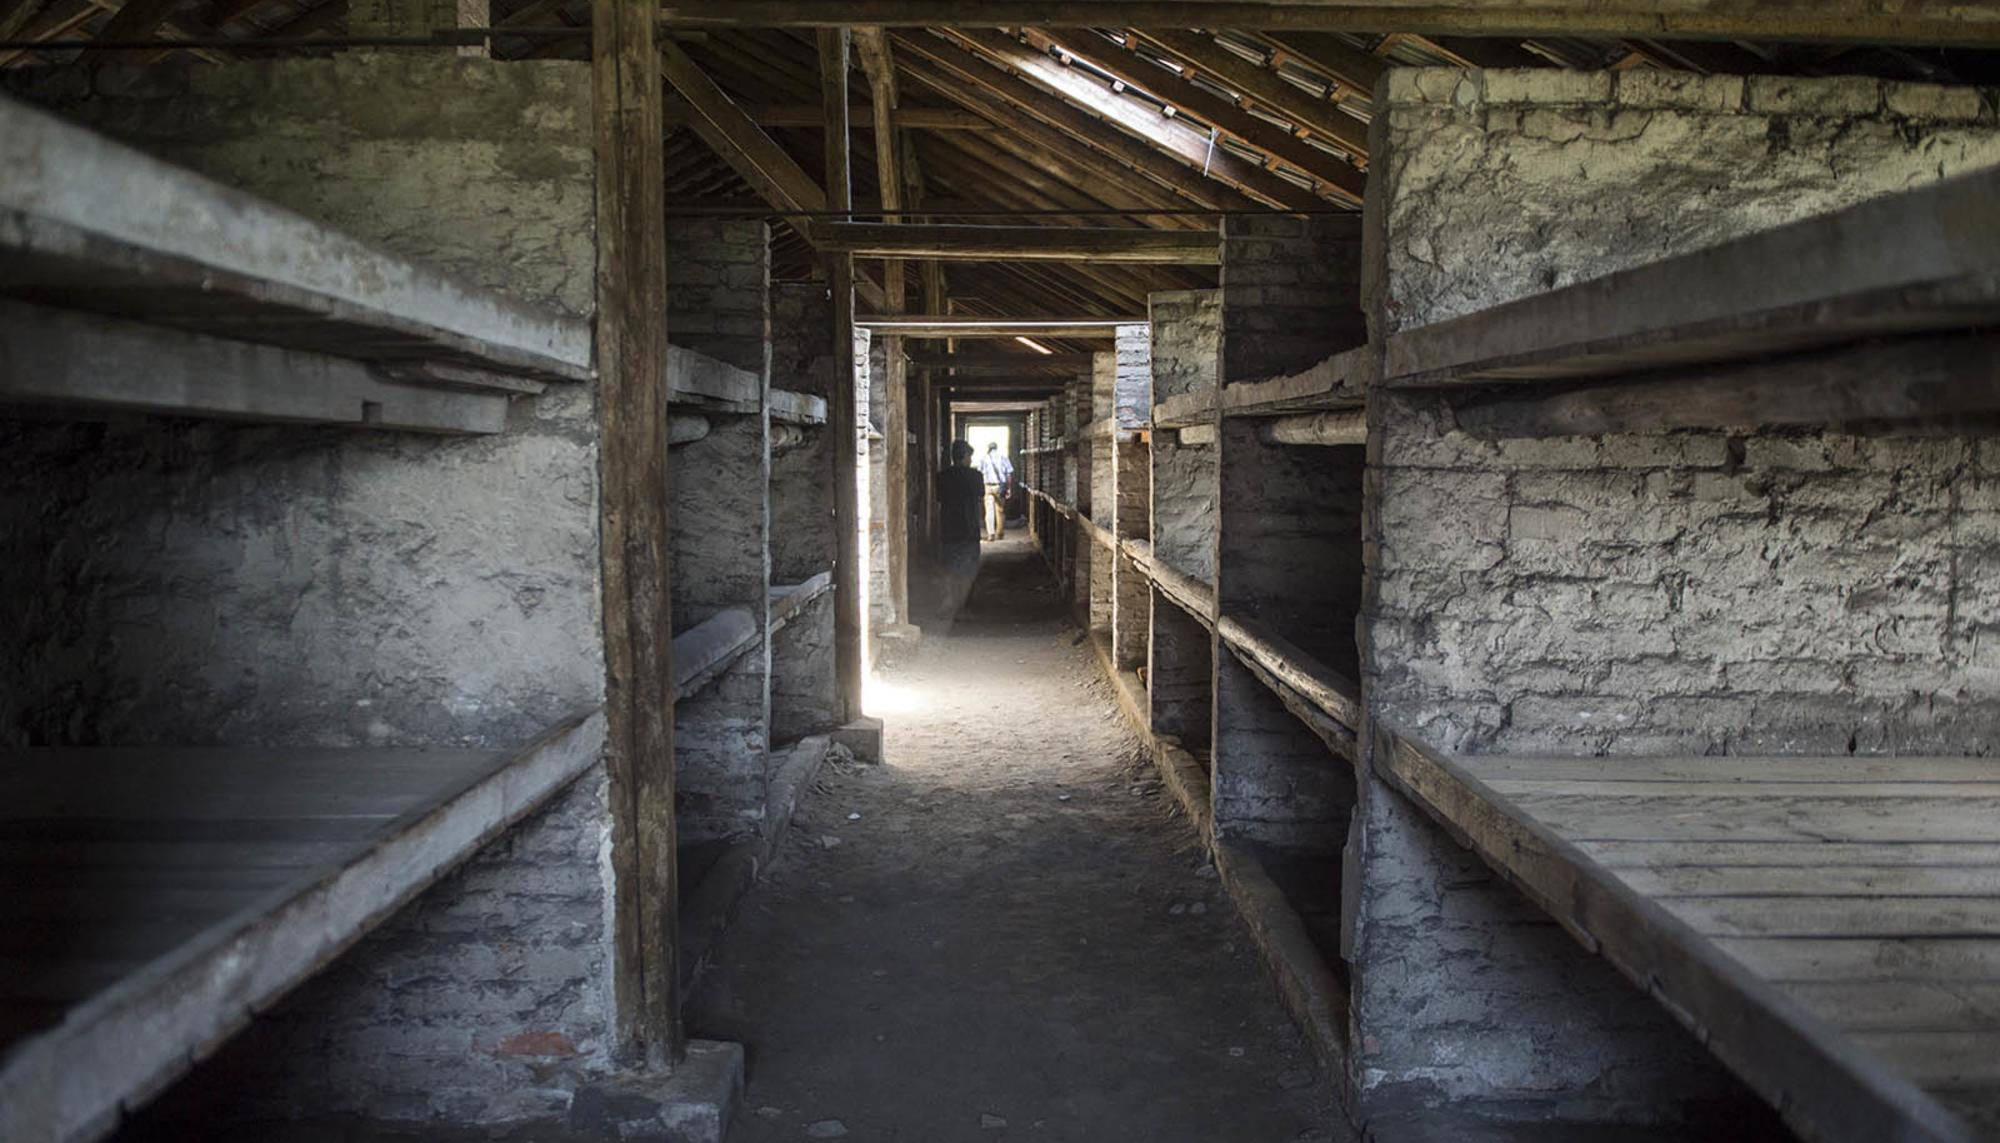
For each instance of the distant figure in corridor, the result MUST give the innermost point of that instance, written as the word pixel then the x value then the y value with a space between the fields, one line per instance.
pixel 998 472
pixel 960 492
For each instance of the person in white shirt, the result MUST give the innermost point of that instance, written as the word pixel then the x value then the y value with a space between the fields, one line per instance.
pixel 998 472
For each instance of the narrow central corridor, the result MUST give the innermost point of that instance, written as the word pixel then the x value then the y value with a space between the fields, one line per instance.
pixel 1005 931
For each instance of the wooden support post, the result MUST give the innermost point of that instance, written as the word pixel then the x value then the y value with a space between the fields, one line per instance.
pixel 849 656
pixel 880 66
pixel 638 626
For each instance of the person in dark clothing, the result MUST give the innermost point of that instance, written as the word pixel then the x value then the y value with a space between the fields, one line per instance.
pixel 961 493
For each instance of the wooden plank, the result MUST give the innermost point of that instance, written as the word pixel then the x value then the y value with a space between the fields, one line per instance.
pixel 1335 694
pixel 1814 880
pixel 1897 381
pixel 1318 430
pixel 1814 852
pixel 126 1042
pixel 797 408
pixel 1340 380
pixel 1067 326
pixel 1945 1061
pixel 1734 768
pixel 679 113
pixel 1903 1005
pixel 704 651
pixel 98 225
pixel 850 663
pixel 1925 260
pixel 627 97
pixel 1824 1085
pixel 1261 85
pixel 1022 243
pixel 1967 23
pixel 1746 787
pixel 1865 958
pixel 1724 818
pixel 1180 90
pixel 1191 147
pixel 1962 918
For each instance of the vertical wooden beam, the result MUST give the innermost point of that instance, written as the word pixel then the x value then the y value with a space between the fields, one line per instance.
pixel 880 65
pixel 638 624
pixel 849 659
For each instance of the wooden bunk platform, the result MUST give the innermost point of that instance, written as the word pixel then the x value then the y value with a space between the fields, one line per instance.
pixel 1830 927
pixel 152 899
pixel 266 314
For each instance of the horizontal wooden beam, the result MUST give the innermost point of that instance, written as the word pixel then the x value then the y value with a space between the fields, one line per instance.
pixel 994 364
pixel 1337 427
pixel 810 115
pixel 963 326
pixel 1021 243
pixel 1967 23
pixel 1898 381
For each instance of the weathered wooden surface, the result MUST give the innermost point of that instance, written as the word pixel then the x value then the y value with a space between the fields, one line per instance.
pixel 848 573
pixel 90 364
pixel 1912 381
pixel 788 599
pixel 1829 926
pixel 797 408
pixel 1926 260
pixel 1019 243
pixel 704 651
pixel 1968 22
pixel 968 326
pixel 1339 381
pixel 633 366
pixel 87 223
pixel 153 899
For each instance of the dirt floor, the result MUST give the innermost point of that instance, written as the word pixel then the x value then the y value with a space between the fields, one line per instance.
pixel 1003 932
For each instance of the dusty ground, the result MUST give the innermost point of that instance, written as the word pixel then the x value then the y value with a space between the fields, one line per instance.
pixel 1003 933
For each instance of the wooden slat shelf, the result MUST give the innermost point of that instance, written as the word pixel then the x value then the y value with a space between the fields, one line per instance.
pixel 90 224
pixel 1328 702
pixel 797 408
pixel 1186 592
pixel 704 651
pixel 1924 261
pixel 1184 410
pixel 789 599
pixel 153 898
pixel 1830 927
pixel 1339 382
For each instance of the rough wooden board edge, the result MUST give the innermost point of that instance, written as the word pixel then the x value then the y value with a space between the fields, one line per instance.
pixel 697 376
pixel 1340 381
pixel 1777 1048
pixel 70 1083
pixel 1184 410
pixel 1338 696
pixel 74 179
pixel 703 652
pixel 1936 245
pixel 76 360
pixel 797 408
pixel 789 600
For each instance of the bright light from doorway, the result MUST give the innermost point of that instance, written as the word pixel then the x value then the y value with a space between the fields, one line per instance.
pixel 979 436
pixel 883 699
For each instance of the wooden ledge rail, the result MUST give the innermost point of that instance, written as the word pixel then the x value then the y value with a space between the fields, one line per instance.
pixel 704 651
pixel 1827 1086
pixel 1345 427
pixel 362 830
pixel 1923 261
pixel 1196 436
pixel 1060 507
pixel 696 378
pixel 788 600
pixel 123 233
pixel 861 116
pixel 1190 594
pixel 1329 690
pixel 1099 534
pixel 797 408
pixel 1020 243
pixel 971 326
pixel 1340 380
pixel 1185 409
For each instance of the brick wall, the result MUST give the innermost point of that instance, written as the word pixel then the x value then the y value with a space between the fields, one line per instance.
pixel 1667 593
pixel 1291 292
pixel 252 585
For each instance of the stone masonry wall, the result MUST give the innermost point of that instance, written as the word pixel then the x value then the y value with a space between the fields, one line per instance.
pixel 1646 594
pixel 1186 357
pixel 1291 292
pixel 184 582
pixel 804 688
